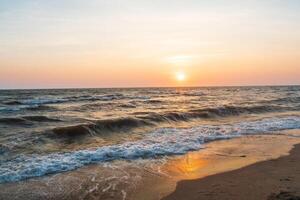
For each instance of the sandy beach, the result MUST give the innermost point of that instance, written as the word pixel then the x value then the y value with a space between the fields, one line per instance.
pixel 272 179
pixel 215 168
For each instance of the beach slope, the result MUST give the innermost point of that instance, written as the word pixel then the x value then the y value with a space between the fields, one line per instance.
pixel 271 180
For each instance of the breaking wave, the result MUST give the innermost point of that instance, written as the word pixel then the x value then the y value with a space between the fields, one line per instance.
pixel 162 142
pixel 99 127
pixel 151 119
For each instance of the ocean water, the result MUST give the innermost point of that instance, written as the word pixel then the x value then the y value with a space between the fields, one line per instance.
pixel 51 131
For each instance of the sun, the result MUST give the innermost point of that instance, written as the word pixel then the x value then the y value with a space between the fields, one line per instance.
pixel 180 76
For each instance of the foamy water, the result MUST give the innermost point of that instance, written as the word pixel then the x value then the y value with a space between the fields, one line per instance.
pixel 52 131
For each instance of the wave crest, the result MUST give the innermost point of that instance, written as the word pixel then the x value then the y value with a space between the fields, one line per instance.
pixel 163 142
pixel 127 123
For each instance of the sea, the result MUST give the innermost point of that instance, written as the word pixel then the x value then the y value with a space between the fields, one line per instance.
pixel 50 131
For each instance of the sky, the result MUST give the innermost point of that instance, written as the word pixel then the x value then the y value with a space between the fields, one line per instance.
pixel 142 43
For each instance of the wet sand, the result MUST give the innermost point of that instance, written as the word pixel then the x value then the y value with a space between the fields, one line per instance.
pixel 273 179
pixel 156 179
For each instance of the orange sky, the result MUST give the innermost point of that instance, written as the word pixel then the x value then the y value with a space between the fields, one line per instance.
pixel 142 44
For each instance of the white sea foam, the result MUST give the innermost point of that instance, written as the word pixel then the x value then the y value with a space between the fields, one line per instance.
pixel 163 142
pixel 13 108
pixel 40 101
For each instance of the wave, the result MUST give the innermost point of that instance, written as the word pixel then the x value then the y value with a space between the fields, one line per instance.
pixel 128 105
pixel 26 120
pixel 39 118
pixel 151 119
pixel 237 110
pixel 12 103
pixel 193 94
pixel 11 109
pixel 41 103
pixel 285 100
pixel 105 97
pixel 162 142
pixel 33 102
pixel 33 107
pixel 217 112
pixel 154 101
pixel 100 126
pixel 41 108
pixel 13 121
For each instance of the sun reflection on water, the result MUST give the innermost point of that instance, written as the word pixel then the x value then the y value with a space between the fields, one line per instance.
pixel 188 166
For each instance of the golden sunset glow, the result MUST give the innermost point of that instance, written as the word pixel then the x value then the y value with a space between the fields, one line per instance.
pixel 143 43
pixel 180 60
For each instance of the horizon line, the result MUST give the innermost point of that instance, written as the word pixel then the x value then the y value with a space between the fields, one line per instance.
pixel 143 87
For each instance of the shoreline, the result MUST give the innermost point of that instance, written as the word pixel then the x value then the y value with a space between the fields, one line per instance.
pixel 154 179
pixel 275 179
pixel 216 158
